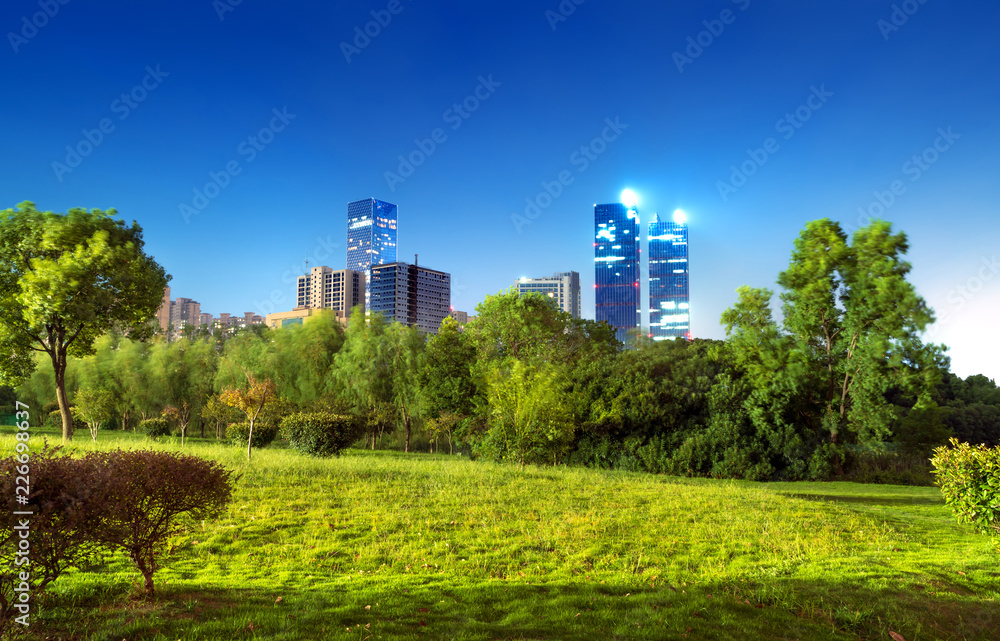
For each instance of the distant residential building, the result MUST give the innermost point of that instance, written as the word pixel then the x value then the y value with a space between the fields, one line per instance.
pixel 669 295
pixel 163 314
pixel 616 266
pixel 412 295
pixel 326 288
pixel 460 317
pixel 205 321
pixel 299 316
pixel 371 237
pixel 184 311
pixel 563 288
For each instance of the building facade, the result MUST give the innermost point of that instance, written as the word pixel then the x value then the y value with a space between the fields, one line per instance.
pixel 669 294
pixel 563 288
pixel 300 316
pixel 412 295
pixel 163 314
pixel 184 311
pixel 371 237
pixel 326 288
pixel 616 267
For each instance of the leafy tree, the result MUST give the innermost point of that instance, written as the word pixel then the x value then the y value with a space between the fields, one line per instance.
pixel 363 373
pixel 251 400
pixel 529 421
pixel 850 332
pixel 304 356
pixel 94 406
pixel 446 372
pixel 184 371
pixel 64 281
pixel 405 347
pixel 218 413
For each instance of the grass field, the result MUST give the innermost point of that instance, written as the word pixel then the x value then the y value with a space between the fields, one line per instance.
pixel 380 545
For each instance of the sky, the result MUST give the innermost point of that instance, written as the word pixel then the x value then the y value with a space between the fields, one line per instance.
pixel 236 132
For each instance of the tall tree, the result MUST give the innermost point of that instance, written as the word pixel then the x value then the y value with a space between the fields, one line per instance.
pixel 64 281
pixel 363 372
pixel 405 345
pixel 850 332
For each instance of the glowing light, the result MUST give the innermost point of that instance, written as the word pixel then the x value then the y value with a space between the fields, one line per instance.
pixel 680 217
pixel 629 199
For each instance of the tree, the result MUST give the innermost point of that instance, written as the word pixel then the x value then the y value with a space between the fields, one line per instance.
pixel 850 332
pixel 405 346
pixel 95 406
pixel 250 400
pixel 64 281
pixel 363 372
pixel 184 371
pixel 446 372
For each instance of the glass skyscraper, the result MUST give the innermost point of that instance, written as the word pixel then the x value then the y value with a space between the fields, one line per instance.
pixel 371 237
pixel 669 298
pixel 616 266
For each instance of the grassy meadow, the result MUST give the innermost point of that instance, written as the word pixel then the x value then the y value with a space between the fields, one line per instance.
pixel 383 545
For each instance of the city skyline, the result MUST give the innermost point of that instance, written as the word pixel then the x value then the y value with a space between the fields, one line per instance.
pixel 752 126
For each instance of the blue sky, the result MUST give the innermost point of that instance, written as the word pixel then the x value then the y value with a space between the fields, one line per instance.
pixel 866 95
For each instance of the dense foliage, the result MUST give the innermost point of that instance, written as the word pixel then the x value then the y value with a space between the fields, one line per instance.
pixel 321 433
pixel 840 387
pixel 970 482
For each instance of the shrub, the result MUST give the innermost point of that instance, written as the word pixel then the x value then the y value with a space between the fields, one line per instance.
pixel 969 478
pixel 54 420
pixel 321 433
pixel 62 526
pixel 264 433
pixel 155 427
pixel 143 493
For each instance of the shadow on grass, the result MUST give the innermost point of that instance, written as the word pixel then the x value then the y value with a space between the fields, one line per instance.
pixel 431 607
pixel 869 500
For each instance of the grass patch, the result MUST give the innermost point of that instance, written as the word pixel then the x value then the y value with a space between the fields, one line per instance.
pixel 381 545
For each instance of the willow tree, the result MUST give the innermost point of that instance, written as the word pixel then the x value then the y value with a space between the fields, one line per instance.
pixel 66 279
pixel 850 331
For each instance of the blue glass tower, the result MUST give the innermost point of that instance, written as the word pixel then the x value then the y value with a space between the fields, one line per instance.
pixel 669 297
pixel 371 237
pixel 616 266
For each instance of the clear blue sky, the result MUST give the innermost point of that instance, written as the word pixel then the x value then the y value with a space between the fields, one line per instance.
pixel 216 82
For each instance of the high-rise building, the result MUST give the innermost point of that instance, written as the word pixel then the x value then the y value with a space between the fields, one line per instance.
pixel 325 288
pixel 412 295
pixel 371 237
pixel 563 288
pixel 669 296
pixel 616 265
pixel 184 311
pixel 163 314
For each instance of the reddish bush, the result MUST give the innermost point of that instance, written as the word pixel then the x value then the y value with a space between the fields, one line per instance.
pixel 143 494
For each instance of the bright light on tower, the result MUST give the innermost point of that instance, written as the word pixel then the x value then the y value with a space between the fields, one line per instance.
pixel 629 199
pixel 680 217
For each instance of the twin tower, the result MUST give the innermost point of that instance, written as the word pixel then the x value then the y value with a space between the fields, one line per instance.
pixel 617 255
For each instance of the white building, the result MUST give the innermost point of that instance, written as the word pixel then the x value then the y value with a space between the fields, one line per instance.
pixel 563 288
pixel 325 288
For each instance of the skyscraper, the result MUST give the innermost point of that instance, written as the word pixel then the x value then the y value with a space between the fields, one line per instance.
pixel 411 295
pixel 563 288
pixel 616 264
pixel 669 298
pixel 371 237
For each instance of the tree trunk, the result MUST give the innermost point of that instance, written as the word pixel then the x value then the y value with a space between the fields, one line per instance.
pixel 249 439
pixel 59 366
pixel 406 422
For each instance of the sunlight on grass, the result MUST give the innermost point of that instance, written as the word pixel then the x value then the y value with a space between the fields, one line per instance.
pixel 383 545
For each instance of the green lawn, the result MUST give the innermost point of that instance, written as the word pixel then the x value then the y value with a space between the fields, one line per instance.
pixel 380 545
